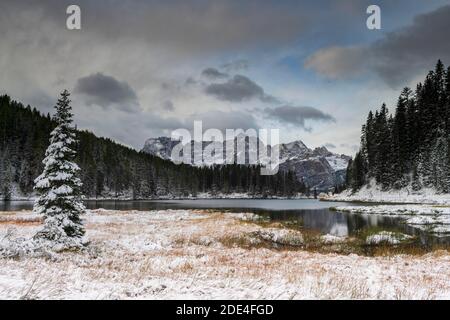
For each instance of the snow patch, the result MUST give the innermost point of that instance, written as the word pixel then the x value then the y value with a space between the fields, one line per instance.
pixel 280 236
pixel 331 239
pixel 387 237
pixel 374 193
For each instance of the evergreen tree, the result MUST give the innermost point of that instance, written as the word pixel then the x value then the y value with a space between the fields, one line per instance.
pixel 6 179
pixel 412 145
pixel 439 164
pixel 399 139
pixel 349 178
pixel 369 148
pixel 383 147
pixel 446 100
pixel 58 185
pixel 358 172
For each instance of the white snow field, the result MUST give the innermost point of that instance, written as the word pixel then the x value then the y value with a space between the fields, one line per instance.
pixel 373 193
pixel 181 254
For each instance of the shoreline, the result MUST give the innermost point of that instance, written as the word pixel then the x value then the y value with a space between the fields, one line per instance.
pixel 373 202
pixel 176 198
pixel 375 195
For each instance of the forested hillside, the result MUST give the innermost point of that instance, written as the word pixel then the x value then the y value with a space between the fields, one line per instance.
pixel 409 147
pixel 113 170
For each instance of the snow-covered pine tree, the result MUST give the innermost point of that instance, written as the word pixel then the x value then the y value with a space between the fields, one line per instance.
pixel 6 180
pixel 439 162
pixel 59 186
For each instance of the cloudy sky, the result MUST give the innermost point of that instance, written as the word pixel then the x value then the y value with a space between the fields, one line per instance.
pixel 140 69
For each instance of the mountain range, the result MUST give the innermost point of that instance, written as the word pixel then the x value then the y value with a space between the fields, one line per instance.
pixel 318 168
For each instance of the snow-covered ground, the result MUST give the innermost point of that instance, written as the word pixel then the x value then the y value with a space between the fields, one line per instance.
pixel 373 193
pixel 177 254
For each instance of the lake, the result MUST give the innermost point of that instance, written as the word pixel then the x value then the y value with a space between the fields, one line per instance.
pixel 309 213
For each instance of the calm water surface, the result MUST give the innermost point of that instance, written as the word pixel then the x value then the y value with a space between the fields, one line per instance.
pixel 309 213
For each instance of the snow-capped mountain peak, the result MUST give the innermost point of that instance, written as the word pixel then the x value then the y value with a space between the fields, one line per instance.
pixel 160 147
pixel 297 145
pixel 293 150
pixel 319 168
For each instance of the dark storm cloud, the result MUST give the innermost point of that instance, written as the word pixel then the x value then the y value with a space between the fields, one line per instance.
pixel 105 91
pixel 238 89
pixel 401 53
pixel 297 115
pixel 214 74
pixel 397 57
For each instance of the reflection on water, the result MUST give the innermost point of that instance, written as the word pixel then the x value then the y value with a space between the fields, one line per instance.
pixel 15 205
pixel 335 223
pixel 310 214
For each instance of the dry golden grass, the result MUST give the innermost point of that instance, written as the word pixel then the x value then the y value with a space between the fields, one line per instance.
pixel 14 218
pixel 22 222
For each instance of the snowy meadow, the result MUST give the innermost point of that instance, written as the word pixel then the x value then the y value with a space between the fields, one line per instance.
pixel 195 254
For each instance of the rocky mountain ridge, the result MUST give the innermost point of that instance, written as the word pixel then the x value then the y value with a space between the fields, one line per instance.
pixel 318 168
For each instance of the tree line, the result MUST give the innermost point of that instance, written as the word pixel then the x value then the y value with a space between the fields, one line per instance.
pixel 109 169
pixel 410 147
